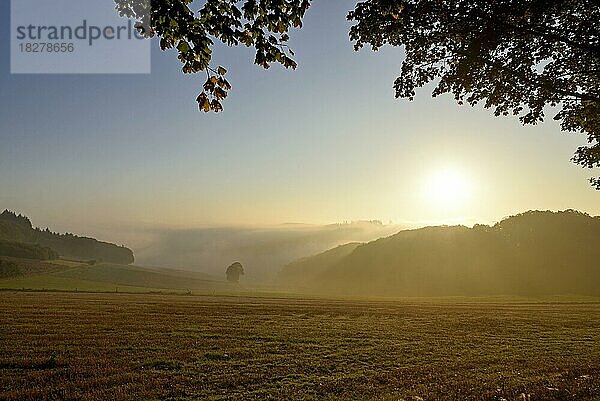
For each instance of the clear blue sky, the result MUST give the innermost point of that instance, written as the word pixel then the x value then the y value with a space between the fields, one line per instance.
pixel 325 143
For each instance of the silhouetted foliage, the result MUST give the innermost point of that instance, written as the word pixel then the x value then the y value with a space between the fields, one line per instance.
pixel 515 56
pixel 18 229
pixel 534 253
pixel 234 271
pixel 18 220
pixel 261 24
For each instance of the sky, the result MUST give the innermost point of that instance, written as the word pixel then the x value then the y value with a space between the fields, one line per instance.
pixel 107 154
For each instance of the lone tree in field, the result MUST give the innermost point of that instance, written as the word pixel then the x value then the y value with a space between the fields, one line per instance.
pixel 234 271
pixel 516 56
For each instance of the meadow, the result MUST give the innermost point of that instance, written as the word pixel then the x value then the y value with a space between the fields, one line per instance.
pixel 66 275
pixel 100 346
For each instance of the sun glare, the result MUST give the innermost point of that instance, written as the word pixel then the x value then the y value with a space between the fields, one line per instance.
pixel 448 188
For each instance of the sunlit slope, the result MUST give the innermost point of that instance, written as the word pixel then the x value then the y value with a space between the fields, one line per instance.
pixel 535 253
pixel 302 271
pixel 110 277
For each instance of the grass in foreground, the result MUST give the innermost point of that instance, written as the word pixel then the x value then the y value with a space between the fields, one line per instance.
pixel 119 346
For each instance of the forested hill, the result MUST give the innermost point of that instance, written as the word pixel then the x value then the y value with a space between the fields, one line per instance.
pixel 18 229
pixel 534 253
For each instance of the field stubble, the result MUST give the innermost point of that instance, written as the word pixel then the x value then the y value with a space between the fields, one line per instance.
pixel 141 346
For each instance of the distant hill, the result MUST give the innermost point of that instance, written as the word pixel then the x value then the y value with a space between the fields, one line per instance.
pixel 15 229
pixel 533 253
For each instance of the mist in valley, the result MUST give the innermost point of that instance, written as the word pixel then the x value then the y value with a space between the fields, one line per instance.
pixel 262 250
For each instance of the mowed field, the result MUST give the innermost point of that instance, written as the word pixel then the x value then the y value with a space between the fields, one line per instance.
pixel 62 275
pixel 176 347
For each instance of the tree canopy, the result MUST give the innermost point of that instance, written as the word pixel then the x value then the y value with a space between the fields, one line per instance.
pixel 515 56
pixel 234 271
pixel 518 57
pixel 261 24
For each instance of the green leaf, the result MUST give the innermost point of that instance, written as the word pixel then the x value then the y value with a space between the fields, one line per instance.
pixel 183 47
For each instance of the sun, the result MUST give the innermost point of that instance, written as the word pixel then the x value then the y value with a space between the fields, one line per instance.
pixel 448 188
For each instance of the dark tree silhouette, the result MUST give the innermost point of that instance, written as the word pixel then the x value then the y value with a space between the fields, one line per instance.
pixel 18 229
pixel 515 56
pixel 234 271
pixel 261 24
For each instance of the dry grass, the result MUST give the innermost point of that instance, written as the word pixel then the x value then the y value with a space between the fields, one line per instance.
pixel 124 346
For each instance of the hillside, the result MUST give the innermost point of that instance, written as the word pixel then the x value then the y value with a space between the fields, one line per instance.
pixel 25 250
pixel 300 272
pixel 18 273
pixel 534 253
pixel 17 232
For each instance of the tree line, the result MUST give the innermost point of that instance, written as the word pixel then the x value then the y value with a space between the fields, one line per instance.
pixel 21 237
